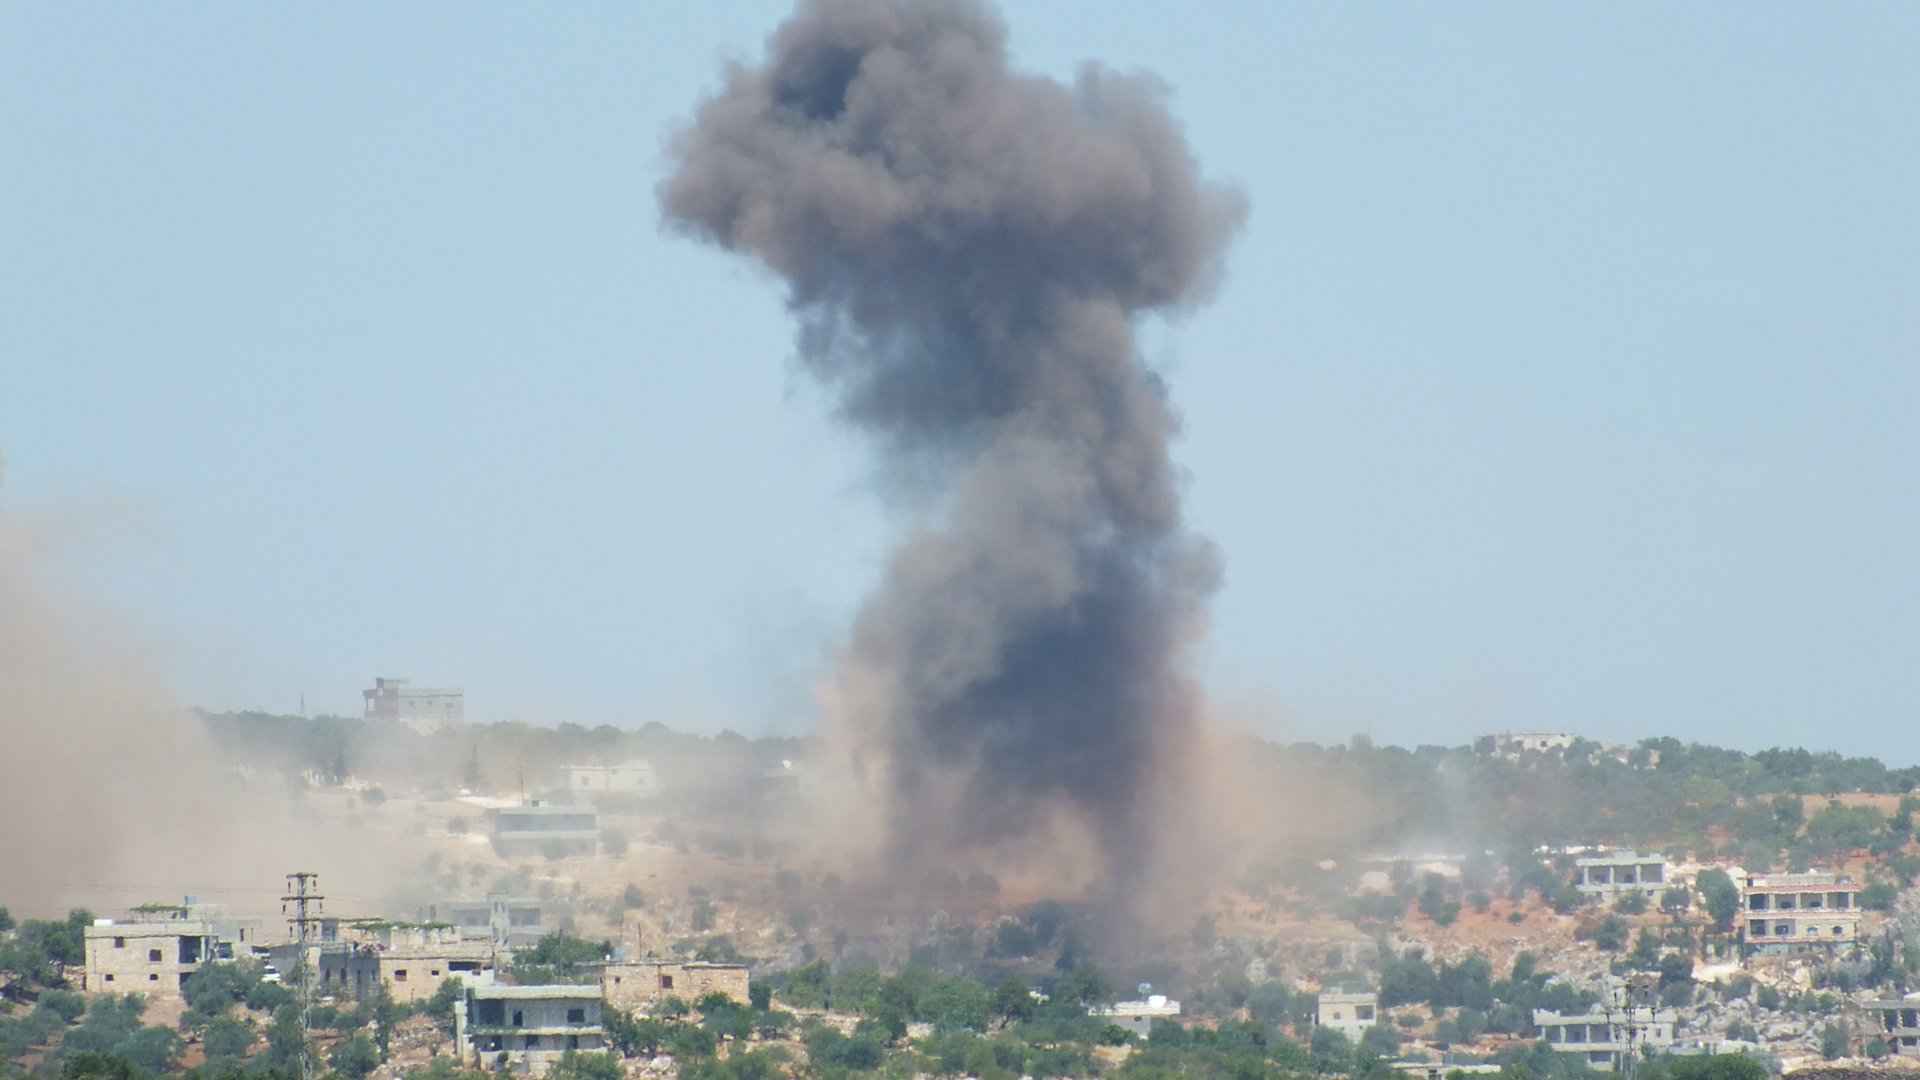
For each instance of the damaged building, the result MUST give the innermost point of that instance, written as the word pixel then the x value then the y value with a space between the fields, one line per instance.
pixel 525 1029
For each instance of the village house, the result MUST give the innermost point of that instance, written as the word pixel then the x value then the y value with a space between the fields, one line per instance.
pixel 411 961
pixel 159 945
pixel 1350 1013
pixel 638 985
pixel 145 958
pixel 632 777
pixel 1137 1017
pixel 1787 913
pixel 527 1028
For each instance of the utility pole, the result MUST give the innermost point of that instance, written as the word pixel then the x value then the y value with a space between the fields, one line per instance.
pixel 303 917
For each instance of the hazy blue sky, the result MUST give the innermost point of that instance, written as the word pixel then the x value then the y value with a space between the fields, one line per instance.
pixel 1565 375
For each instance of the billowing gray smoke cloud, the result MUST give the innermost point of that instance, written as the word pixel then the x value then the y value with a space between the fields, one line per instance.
pixel 967 249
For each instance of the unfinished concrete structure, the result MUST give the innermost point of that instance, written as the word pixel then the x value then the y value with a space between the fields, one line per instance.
pixel 1629 1021
pixel 1898 1021
pixel 1348 1012
pixel 634 776
pixel 510 922
pixel 1788 913
pixel 155 948
pixel 1617 872
pixel 527 1028
pixel 426 710
pixel 145 958
pixel 411 961
pixel 639 985
pixel 545 829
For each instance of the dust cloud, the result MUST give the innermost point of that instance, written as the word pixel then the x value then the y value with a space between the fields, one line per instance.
pixel 111 792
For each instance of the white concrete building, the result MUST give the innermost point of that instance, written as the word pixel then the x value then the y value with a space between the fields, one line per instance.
pixel 1138 1017
pixel 632 777
pixel 1351 1014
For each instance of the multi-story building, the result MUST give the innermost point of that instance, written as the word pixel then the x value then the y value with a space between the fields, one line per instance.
pixel 411 961
pixel 641 984
pixel 1350 1013
pixel 631 777
pixel 1628 1021
pixel 545 829
pixel 145 957
pixel 1621 871
pixel 1800 913
pixel 527 1028
pixel 1899 1021
pixel 509 922
pixel 159 945
pixel 424 709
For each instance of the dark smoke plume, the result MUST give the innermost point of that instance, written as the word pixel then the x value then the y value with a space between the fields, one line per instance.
pixel 967 250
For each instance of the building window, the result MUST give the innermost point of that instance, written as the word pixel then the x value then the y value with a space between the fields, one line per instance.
pixel 666 982
pixel 119 943
pixel 576 1016
pixel 153 978
pixel 109 977
pixel 533 1042
pixel 153 956
pixel 1838 932
pixel 399 974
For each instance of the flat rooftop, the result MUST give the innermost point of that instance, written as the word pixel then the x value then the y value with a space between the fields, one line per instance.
pixel 530 993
